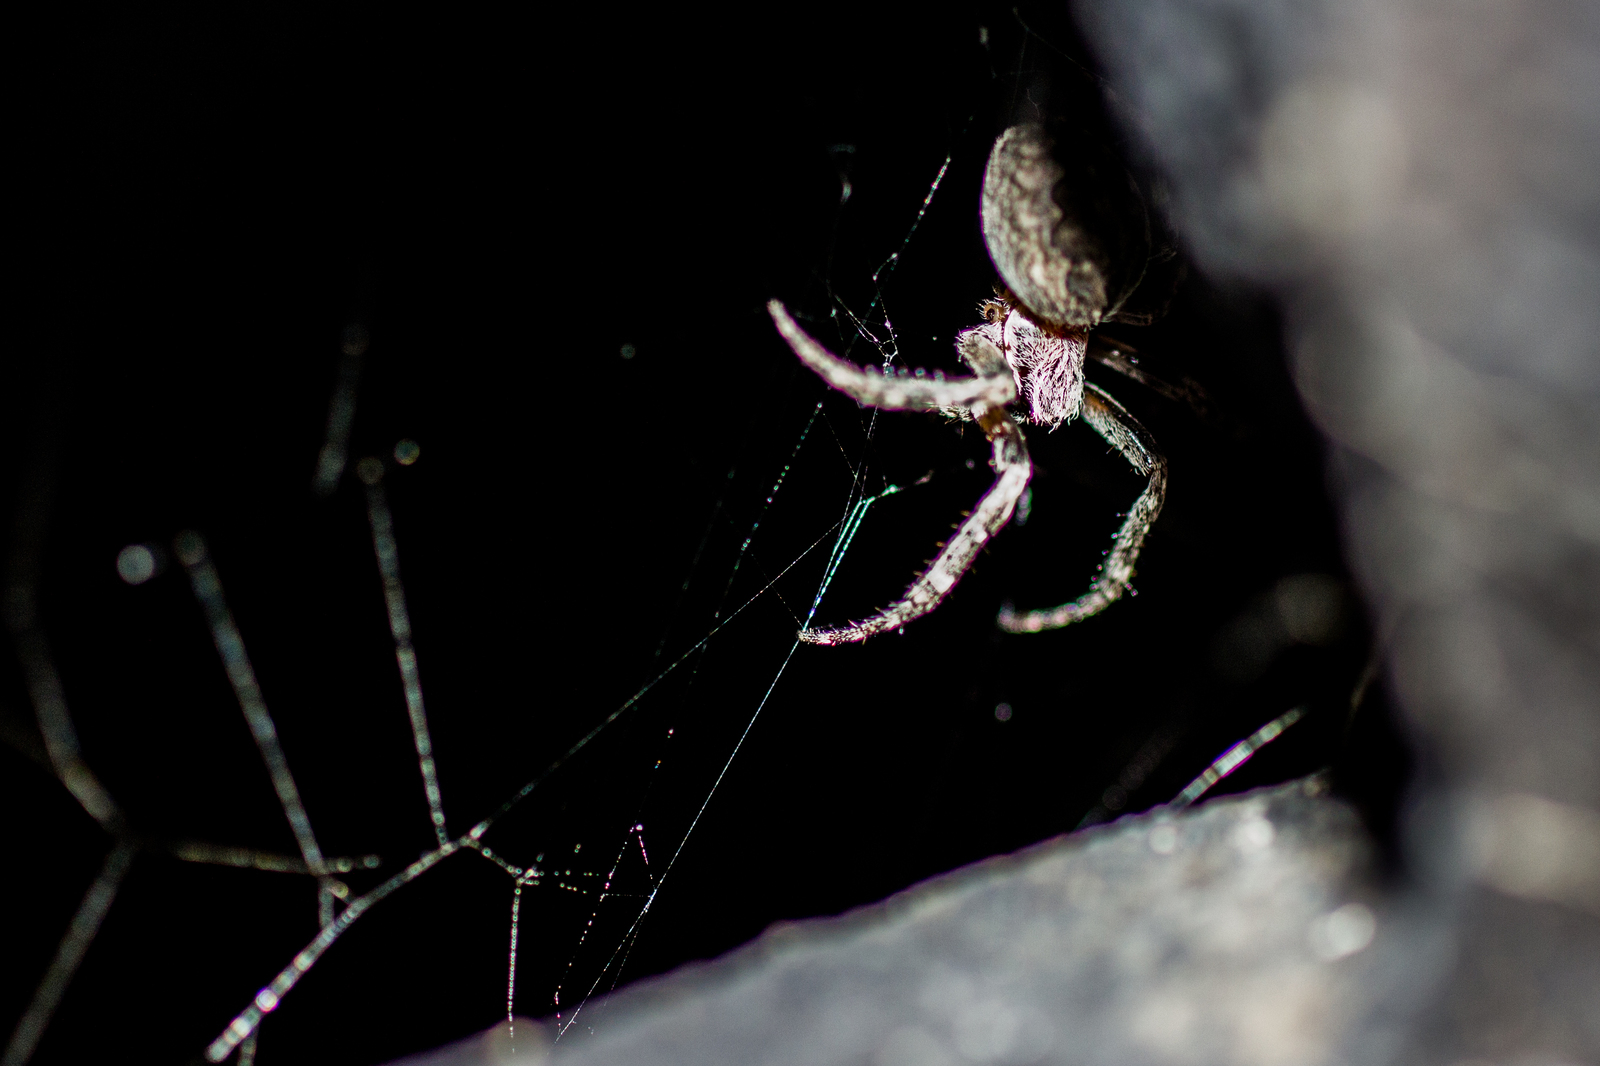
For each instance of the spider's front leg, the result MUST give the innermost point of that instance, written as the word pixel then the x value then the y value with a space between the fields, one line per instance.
pixel 1012 469
pixel 985 396
pixel 993 386
pixel 1112 421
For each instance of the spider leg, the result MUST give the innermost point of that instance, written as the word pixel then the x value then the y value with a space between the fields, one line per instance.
pixel 1118 357
pixel 1012 469
pixel 1116 425
pixel 994 386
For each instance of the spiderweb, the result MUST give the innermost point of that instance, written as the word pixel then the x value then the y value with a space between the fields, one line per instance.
pixel 524 715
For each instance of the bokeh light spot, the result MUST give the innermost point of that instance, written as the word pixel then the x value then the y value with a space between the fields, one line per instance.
pixel 1343 932
pixel 1164 839
pixel 136 564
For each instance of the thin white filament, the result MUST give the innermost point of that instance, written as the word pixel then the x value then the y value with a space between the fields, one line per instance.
pixel 394 597
pixel 1235 757
pixel 269 997
pixel 241 675
pixel 85 924
pixel 662 880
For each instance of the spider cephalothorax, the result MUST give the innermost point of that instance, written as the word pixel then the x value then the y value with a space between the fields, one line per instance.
pixel 1071 249
pixel 1046 364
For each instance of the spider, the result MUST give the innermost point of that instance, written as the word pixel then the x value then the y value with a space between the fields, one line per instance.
pixel 1061 279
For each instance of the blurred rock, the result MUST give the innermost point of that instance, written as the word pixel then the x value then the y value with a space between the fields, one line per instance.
pixel 1236 933
pixel 1416 180
pixel 524 1043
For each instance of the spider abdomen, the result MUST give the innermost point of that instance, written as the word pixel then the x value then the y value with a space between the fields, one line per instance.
pixel 1065 225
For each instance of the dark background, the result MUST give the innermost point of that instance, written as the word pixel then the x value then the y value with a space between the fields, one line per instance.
pixel 212 198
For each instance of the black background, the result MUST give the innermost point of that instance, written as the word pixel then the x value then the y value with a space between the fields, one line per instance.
pixel 212 197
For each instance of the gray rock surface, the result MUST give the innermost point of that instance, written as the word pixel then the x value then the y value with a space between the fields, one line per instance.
pixel 1152 940
pixel 1238 932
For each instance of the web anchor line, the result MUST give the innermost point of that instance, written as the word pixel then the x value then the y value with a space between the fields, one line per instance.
pixel 196 560
pixel 85 923
pixel 268 998
pixel 341 412
pixel 394 597
pixel 635 832
pixel 766 506
pixel 511 975
pixel 1235 757
pixel 645 689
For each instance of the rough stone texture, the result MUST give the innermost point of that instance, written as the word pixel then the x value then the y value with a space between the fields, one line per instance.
pixel 1202 938
pixel 1417 180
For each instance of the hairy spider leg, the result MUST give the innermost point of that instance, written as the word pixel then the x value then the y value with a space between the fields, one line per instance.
pixel 1012 471
pixel 994 386
pixel 1121 357
pixel 985 396
pixel 1112 421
